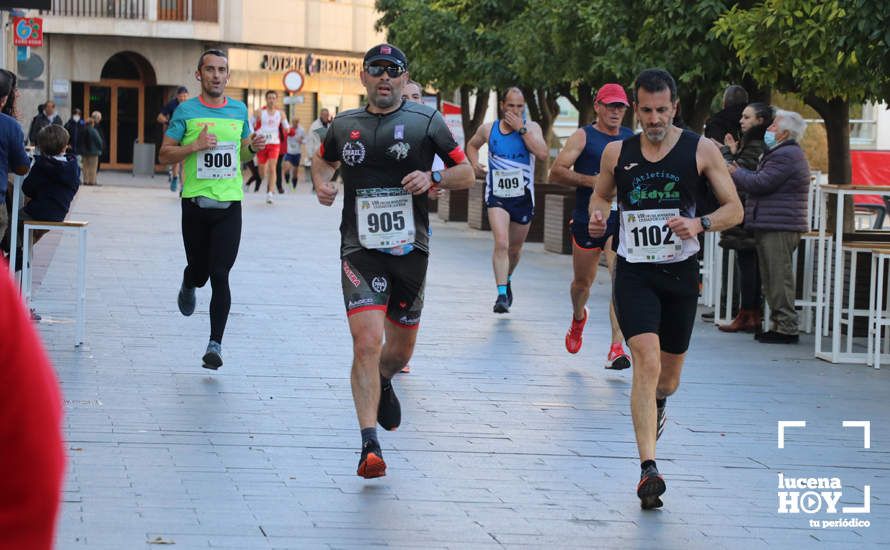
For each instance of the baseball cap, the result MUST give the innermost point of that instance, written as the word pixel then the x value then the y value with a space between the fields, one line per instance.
pixel 182 90
pixel 386 52
pixel 611 93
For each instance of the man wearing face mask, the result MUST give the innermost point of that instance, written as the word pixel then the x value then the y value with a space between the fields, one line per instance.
pixel 384 152
pixel 776 210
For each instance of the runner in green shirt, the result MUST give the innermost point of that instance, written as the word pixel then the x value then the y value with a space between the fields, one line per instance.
pixel 210 134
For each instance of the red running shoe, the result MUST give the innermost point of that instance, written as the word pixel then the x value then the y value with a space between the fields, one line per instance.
pixel 371 464
pixel 574 335
pixel 617 359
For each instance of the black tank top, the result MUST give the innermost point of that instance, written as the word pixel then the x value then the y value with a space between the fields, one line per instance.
pixel 672 182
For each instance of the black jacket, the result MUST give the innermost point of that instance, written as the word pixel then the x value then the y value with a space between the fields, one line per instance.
pixel 40 122
pixel 51 186
pixel 725 122
pixel 76 134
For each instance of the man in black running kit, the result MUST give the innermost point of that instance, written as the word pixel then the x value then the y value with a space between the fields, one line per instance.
pixel 657 176
pixel 384 152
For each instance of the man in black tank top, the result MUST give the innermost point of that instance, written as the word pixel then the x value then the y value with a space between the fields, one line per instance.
pixel 385 152
pixel 657 176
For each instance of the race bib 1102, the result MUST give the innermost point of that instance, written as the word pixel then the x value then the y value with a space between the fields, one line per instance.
pixel 647 236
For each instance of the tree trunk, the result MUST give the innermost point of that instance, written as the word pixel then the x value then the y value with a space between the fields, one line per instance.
pixel 583 102
pixel 836 115
pixel 471 123
pixel 544 109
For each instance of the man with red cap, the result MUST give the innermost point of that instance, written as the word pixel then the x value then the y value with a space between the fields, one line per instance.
pixel 583 150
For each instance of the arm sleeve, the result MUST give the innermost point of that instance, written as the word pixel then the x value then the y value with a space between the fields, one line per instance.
pixel 444 144
pixel 245 127
pixel 30 187
pixel 284 123
pixel 764 181
pixel 176 126
pixel 16 150
pixel 330 150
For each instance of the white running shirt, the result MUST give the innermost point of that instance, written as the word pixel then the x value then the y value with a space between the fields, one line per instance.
pixel 268 124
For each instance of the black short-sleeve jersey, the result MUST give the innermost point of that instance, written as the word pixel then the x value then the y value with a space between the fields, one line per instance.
pixel 378 151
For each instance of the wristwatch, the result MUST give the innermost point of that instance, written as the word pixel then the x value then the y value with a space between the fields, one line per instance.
pixel 436 176
pixel 523 130
pixel 705 223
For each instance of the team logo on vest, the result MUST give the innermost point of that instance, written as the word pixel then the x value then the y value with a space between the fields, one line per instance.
pixel 354 153
pixel 399 151
pixel 378 284
pixel 642 191
pixel 355 134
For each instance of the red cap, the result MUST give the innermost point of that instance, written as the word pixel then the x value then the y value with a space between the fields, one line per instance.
pixel 611 93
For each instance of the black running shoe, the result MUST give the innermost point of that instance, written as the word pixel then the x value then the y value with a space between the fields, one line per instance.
pixel 662 421
pixel 509 294
pixel 186 300
pixel 651 487
pixel 371 464
pixel 389 411
pixel 501 305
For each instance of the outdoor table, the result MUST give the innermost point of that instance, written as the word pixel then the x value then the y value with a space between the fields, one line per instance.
pixel 835 355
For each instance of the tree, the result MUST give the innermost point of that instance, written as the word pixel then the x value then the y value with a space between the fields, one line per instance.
pixel 831 53
pixel 453 45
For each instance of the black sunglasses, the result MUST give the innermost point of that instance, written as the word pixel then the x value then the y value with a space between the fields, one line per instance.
pixel 394 71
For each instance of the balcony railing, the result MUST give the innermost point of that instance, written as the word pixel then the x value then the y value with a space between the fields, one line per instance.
pixel 116 9
pixel 167 10
pixel 188 10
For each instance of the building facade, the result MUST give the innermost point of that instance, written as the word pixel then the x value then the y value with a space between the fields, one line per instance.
pixel 126 58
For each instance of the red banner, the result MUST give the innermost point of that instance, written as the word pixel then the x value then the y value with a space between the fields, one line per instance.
pixel 870 168
pixel 27 31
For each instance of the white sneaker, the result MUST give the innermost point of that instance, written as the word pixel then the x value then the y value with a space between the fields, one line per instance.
pixel 269 198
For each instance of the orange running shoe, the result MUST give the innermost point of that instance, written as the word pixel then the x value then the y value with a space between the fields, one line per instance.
pixel 371 464
pixel 573 336
pixel 617 359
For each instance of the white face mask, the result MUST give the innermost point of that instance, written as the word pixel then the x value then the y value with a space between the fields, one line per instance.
pixel 76 118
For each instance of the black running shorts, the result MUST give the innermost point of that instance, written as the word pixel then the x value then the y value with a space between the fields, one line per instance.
pixel 657 298
pixel 376 280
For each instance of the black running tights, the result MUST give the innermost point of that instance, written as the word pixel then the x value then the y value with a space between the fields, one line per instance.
pixel 211 238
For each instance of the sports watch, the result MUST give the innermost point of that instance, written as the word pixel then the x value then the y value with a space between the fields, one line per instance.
pixel 705 223
pixel 523 130
pixel 436 176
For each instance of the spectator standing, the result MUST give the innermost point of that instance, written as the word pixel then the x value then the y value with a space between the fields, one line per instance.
pixel 726 121
pixel 776 210
pixel 92 150
pixel 746 153
pixel 13 157
pixel 45 116
pixel 317 131
pixel 76 128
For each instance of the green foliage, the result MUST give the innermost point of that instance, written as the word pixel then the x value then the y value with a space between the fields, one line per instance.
pixel 827 49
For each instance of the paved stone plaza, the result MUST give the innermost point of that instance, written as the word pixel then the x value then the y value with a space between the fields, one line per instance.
pixel 506 441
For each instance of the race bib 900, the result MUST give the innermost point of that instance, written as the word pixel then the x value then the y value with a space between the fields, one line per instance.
pixel 648 237
pixel 219 162
pixel 385 217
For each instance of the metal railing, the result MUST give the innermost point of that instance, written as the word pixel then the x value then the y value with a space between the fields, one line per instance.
pixel 116 9
pixel 188 10
pixel 168 10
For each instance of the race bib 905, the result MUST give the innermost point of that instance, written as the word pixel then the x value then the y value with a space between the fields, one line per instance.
pixel 385 217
